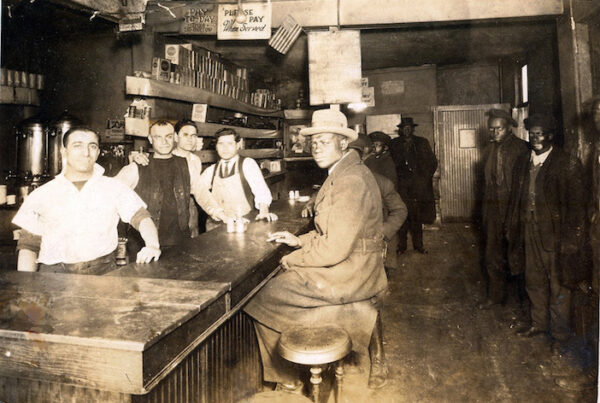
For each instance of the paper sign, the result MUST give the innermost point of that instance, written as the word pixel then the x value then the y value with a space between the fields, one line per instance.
pixel 368 96
pixel 383 123
pixel 199 112
pixel 392 87
pixel 199 19
pixel 467 138
pixel 364 82
pixel 257 24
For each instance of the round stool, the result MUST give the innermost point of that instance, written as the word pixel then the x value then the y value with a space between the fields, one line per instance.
pixel 277 397
pixel 317 346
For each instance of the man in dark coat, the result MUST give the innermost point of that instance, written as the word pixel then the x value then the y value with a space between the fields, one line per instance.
pixel 380 160
pixel 415 165
pixel 499 160
pixel 545 229
pixel 337 268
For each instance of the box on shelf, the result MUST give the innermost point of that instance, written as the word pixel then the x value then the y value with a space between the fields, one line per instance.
pixel 137 127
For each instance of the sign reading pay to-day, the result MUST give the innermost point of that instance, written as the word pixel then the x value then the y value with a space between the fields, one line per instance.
pixel 254 24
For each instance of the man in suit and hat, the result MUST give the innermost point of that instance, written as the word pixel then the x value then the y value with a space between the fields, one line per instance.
pixel 415 166
pixel 545 229
pixel 380 160
pixel 337 269
pixel 499 159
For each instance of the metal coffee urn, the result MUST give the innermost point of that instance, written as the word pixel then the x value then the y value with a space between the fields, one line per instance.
pixel 31 150
pixel 55 132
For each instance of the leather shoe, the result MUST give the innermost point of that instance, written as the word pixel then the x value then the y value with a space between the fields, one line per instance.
pixel 530 332
pixel 295 388
pixel 421 250
pixel 576 382
pixel 378 375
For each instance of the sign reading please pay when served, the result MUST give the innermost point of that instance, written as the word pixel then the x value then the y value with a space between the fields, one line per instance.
pixel 257 24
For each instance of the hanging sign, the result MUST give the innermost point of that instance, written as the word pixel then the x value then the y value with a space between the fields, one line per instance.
pixel 254 22
pixel 199 19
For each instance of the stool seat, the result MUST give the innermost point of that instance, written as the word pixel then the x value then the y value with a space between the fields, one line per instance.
pixel 278 397
pixel 314 345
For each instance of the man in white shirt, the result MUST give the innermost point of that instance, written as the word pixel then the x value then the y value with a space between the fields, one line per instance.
pixel 70 223
pixel 236 182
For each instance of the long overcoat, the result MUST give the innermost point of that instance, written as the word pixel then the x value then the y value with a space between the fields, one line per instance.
pixel 415 165
pixel 340 261
pixel 560 209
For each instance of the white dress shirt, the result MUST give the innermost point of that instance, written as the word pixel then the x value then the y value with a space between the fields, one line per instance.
pixel 77 225
pixel 541 158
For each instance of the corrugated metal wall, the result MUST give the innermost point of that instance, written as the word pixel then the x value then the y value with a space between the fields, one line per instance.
pixel 460 168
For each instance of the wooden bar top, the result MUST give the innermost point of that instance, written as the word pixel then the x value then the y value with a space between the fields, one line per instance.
pixel 240 260
pixel 123 331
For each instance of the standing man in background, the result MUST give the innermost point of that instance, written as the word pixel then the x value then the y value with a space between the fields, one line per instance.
pixel 380 159
pixel 545 230
pixel 415 165
pixel 499 161
pixel 236 182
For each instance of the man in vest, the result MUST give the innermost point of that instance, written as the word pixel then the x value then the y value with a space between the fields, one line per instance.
pixel 236 182
pixel 69 225
pixel 165 184
pixel 545 230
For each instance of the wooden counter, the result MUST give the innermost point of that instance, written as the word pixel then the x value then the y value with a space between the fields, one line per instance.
pixel 172 328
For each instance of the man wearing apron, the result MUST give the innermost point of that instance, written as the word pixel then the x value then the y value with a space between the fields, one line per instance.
pixel 236 183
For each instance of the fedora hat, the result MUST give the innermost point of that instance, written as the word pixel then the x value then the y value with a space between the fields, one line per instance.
pixel 546 122
pixel 329 121
pixel 407 121
pixel 381 136
pixel 502 114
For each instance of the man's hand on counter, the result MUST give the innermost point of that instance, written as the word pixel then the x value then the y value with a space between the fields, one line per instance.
pixel 284 237
pixel 266 216
pixel 148 254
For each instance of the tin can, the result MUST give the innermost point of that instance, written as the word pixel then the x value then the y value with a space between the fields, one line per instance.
pixel 3 73
pixel 16 76
pixel 231 226
pixel 39 81
pixel 32 81
pixel 9 77
pixel 292 195
pixel 121 256
pixel 24 79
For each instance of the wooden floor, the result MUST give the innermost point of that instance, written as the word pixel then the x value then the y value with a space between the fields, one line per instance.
pixel 442 349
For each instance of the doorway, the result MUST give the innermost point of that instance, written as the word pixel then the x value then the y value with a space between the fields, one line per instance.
pixel 460 135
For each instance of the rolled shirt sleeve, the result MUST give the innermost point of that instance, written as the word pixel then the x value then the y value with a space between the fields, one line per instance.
pixel 200 188
pixel 257 183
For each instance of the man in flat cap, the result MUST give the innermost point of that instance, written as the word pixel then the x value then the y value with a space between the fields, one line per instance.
pixel 337 269
pixel 415 166
pixel 545 229
pixel 380 160
pixel 499 159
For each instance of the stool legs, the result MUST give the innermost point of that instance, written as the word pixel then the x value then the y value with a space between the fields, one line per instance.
pixel 315 379
pixel 339 375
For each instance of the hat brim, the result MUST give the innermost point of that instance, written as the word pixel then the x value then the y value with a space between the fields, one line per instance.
pixel 407 124
pixel 344 131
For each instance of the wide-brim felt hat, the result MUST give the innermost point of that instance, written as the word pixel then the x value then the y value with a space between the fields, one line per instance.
pixel 407 121
pixel 546 122
pixel 502 114
pixel 329 121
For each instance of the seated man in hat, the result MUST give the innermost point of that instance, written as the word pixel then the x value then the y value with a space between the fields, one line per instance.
pixel 236 182
pixel 545 230
pixel 415 165
pixel 337 268
pixel 380 159
pixel 499 159
pixel 69 225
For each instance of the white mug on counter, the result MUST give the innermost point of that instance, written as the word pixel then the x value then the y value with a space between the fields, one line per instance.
pixel 11 199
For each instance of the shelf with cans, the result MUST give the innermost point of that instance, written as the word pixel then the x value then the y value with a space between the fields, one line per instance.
pixel 20 87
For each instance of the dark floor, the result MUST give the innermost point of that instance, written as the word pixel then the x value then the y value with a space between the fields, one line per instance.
pixel 440 348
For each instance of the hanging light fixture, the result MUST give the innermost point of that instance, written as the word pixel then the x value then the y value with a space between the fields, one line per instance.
pixel 240 18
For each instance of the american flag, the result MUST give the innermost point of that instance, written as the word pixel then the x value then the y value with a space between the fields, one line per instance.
pixel 285 36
